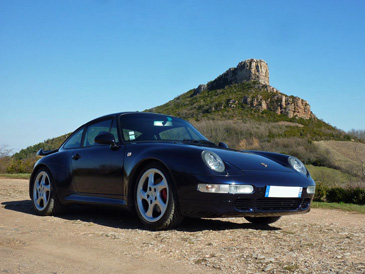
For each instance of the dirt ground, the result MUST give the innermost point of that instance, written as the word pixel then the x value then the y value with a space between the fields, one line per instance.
pixel 104 240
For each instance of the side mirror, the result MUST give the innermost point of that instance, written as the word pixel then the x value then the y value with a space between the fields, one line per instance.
pixel 105 138
pixel 222 145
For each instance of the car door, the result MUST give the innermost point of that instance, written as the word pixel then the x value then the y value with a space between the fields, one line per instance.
pixel 97 168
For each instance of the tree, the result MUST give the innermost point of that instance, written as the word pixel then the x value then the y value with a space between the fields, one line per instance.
pixel 359 134
pixel 4 157
pixel 4 151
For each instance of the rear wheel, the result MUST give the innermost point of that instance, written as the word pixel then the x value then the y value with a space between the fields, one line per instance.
pixel 156 199
pixel 44 198
pixel 262 220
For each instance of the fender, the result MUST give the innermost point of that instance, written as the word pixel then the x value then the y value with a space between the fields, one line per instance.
pixel 60 170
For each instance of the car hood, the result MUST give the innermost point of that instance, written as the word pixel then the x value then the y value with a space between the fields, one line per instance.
pixel 241 160
pixel 249 161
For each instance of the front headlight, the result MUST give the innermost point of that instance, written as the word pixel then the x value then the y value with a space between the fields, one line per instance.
pixel 213 161
pixel 297 165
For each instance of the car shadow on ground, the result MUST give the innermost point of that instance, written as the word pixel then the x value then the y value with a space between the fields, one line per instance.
pixel 118 218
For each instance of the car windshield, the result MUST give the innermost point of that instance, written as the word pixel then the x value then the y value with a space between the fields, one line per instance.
pixel 154 127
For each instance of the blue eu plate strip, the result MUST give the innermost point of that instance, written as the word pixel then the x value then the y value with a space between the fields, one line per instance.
pixel 267 191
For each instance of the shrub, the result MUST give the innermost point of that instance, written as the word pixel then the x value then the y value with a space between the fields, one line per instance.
pixel 321 193
pixel 346 195
pixel 357 196
pixel 21 166
pixel 337 195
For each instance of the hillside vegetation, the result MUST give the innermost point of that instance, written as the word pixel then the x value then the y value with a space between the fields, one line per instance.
pixel 227 104
pixel 24 160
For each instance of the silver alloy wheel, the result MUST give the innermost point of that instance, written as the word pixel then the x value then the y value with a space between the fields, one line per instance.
pixel 41 191
pixel 152 195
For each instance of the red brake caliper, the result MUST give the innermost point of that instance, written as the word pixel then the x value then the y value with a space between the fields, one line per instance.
pixel 164 194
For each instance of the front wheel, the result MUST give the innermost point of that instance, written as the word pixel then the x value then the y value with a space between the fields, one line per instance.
pixel 44 198
pixel 156 199
pixel 262 220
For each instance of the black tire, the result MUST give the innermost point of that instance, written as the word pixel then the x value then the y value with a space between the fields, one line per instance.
pixel 43 194
pixel 262 220
pixel 155 198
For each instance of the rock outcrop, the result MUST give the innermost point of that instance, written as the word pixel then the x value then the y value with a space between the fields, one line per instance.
pixel 199 89
pixel 249 70
pixel 280 103
pixel 274 100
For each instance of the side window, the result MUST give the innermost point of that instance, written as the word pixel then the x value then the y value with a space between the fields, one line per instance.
pixel 75 139
pixel 94 130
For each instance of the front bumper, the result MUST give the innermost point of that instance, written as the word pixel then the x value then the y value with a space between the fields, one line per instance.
pixel 194 203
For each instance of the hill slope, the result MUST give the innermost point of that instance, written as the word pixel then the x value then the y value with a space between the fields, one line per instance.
pixel 349 155
pixel 24 160
pixel 251 102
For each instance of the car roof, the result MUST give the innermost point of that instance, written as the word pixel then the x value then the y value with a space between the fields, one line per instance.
pixel 117 114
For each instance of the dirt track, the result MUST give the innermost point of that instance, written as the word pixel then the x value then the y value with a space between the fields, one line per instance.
pixel 109 241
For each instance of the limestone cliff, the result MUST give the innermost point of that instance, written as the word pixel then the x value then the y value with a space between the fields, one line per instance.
pixel 274 100
pixel 249 70
pixel 280 103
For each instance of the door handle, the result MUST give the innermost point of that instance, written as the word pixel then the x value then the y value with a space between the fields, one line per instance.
pixel 76 156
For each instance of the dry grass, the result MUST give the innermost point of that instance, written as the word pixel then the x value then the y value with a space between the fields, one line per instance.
pixel 285 123
pixel 350 156
pixel 344 150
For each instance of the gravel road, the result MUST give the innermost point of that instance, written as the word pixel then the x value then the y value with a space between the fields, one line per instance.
pixel 104 240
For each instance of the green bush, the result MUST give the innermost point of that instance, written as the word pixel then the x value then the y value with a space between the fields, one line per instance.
pixel 357 196
pixel 321 193
pixel 21 166
pixel 337 195
pixel 346 195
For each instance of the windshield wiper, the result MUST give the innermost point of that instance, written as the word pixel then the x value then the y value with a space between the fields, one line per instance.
pixel 198 142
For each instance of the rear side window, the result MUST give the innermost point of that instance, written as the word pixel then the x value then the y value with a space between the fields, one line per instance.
pixel 75 139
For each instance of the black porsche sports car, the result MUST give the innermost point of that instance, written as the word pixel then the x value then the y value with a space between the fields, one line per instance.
pixel 165 169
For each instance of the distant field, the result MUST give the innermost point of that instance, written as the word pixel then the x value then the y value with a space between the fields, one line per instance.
pixel 344 150
pixel 330 177
pixel 347 155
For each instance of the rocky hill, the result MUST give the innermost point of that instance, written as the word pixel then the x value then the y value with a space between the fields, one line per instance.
pixel 251 84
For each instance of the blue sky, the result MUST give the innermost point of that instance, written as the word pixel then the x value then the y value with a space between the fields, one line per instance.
pixel 63 63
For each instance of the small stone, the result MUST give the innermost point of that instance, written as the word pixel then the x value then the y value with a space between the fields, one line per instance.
pixel 269 267
pixel 269 260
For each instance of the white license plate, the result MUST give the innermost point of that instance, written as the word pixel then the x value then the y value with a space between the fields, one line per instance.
pixel 283 192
